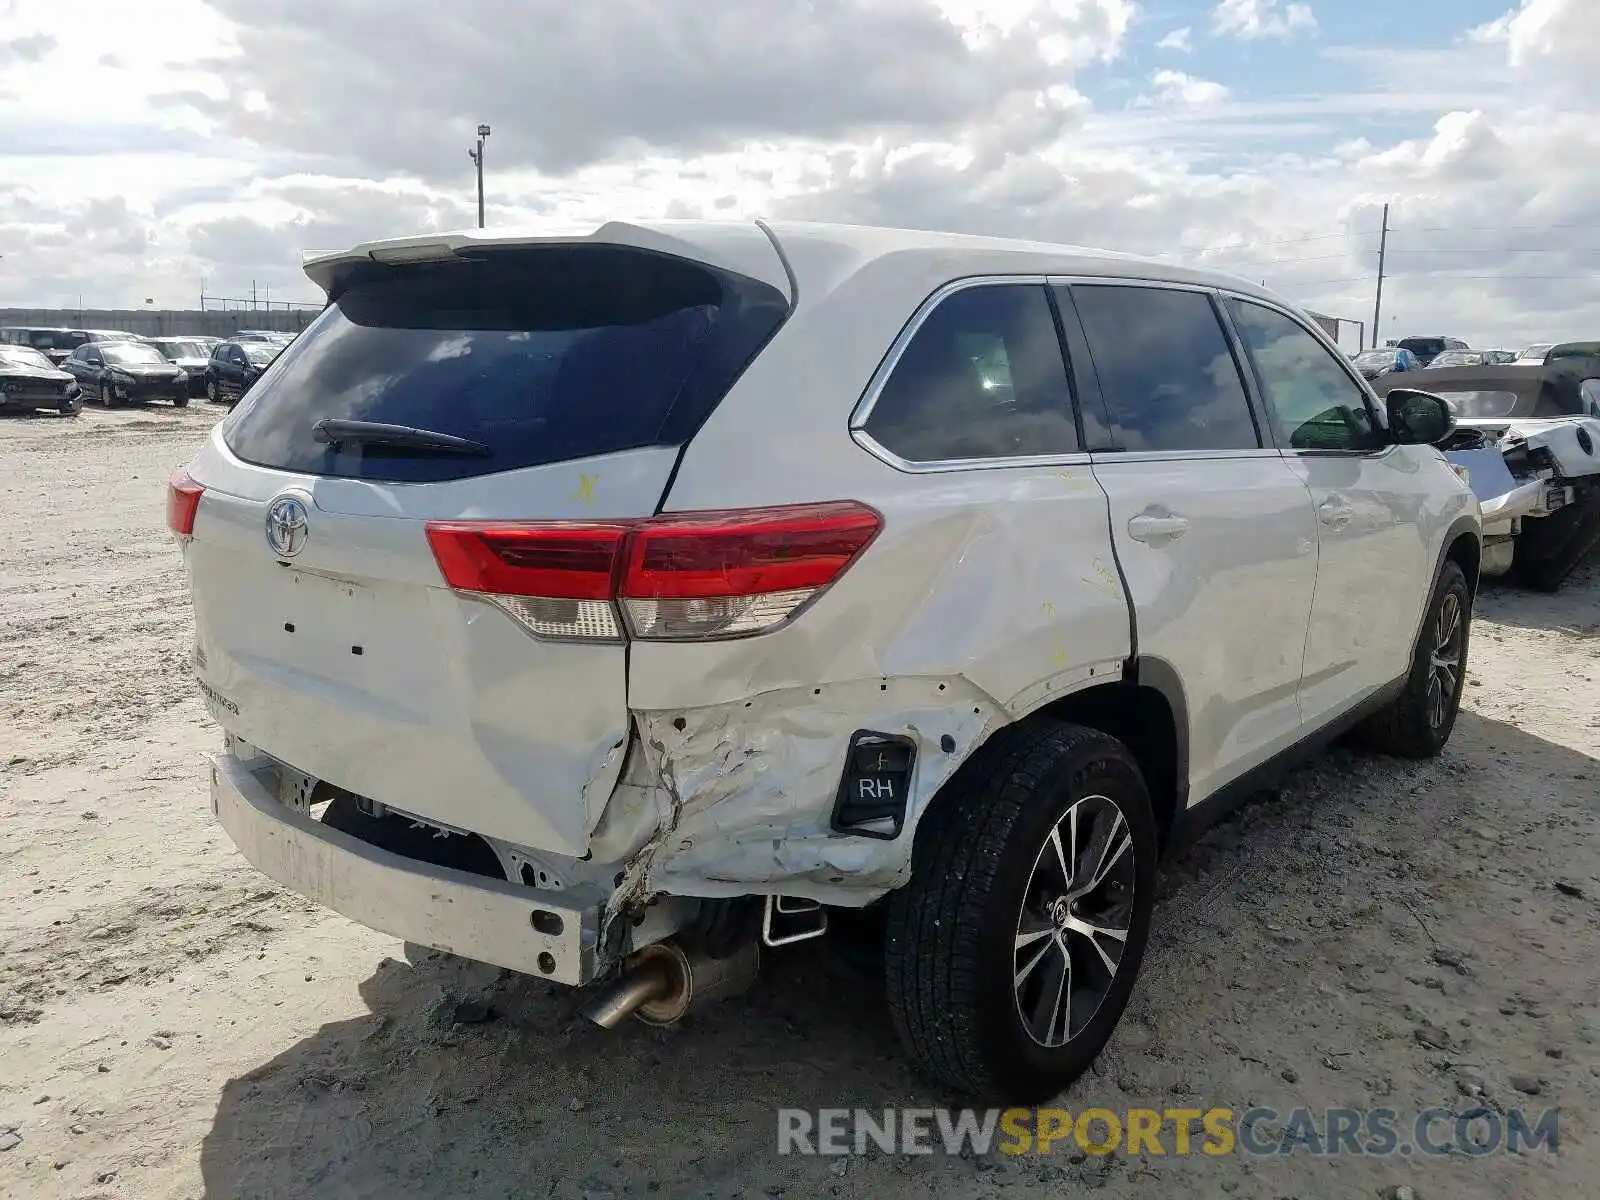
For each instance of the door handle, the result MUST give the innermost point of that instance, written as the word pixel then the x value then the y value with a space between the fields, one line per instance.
pixel 1335 512
pixel 1148 528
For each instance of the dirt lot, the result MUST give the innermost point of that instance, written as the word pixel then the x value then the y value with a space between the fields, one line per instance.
pixel 173 1025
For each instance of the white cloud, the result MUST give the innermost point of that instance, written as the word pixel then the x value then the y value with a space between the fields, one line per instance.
pixel 1179 40
pixel 256 136
pixel 1251 19
pixel 1175 87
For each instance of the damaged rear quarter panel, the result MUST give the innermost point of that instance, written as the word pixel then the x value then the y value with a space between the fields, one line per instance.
pixel 753 785
pixel 987 595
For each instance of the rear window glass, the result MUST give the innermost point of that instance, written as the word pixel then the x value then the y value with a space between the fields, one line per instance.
pixel 542 356
pixel 1166 369
pixel 55 339
pixel 983 377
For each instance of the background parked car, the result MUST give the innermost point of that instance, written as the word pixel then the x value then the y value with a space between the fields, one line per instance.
pixel 193 354
pixel 1428 348
pixel 1386 360
pixel 235 365
pixel 1471 358
pixel 1564 382
pixel 29 380
pixel 125 370
pixel 57 344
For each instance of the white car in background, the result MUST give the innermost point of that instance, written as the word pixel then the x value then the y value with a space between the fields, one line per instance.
pixel 607 607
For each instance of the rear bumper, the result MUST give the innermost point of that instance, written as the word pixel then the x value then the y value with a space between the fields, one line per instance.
pixel 535 932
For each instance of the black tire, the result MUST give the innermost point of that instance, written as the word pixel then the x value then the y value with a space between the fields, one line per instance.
pixel 1550 548
pixel 107 397
pixel 72 406
pixel 1417 723
pixel 212 396
pixel 180 401
pixel 951 950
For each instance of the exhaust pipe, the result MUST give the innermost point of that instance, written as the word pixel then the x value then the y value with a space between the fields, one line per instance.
pixel 660 982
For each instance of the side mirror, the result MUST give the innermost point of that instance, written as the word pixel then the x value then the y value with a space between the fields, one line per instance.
pixel 1418 418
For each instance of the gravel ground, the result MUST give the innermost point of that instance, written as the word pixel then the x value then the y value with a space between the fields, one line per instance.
pixel 1377 934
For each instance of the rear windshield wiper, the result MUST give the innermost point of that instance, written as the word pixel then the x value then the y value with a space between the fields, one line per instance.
pixel 338 432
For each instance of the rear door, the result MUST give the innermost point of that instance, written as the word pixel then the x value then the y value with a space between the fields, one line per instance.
pixel 1374 527
pixel 1214 533
pixel 550 384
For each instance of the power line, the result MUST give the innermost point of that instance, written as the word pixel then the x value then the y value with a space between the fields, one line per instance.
pixel 1494 250
pixel 1484 228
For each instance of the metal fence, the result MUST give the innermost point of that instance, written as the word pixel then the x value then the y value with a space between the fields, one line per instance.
pixel 161 322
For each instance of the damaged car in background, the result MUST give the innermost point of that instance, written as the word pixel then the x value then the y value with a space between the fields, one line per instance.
pixel 1528 439
pixel 613 608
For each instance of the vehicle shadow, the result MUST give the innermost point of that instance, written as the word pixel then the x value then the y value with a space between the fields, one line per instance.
pixel 1260 927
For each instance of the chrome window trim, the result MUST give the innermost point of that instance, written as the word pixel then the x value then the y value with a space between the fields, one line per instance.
pixel 1112 457
pixel 1126 281
pixel 1078 458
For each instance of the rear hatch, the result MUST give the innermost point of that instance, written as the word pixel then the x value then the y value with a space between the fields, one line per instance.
pixel 429 402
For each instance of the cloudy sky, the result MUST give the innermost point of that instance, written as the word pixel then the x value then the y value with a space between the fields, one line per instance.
pixel 148 149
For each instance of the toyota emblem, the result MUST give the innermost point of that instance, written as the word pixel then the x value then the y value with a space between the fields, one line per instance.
pixel 287 526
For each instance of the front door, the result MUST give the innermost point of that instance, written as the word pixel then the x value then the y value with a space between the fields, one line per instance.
pixel 1375 560
pixel 1215 535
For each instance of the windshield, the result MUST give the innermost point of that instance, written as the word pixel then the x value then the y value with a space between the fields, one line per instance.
pixel 544 356
pixel 260 353
pixel 1374 358
pixel 1422 346
pixel 1537 353
pixel 131 354
pixel 21 356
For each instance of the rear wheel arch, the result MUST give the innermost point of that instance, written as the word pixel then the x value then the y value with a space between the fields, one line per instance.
pixel 1148 714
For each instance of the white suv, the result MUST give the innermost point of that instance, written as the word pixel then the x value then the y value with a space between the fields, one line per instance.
pixel 604 607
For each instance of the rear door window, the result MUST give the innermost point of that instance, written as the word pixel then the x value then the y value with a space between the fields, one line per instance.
pixel 545 355
pixel 982 377
pixel 1166 369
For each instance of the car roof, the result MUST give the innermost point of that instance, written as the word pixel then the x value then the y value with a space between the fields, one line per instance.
pixel 817 253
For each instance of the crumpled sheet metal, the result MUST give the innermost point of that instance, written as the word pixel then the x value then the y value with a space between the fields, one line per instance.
pixel 752 787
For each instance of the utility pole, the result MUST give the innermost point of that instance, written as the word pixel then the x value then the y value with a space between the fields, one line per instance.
pixel 1383 250
pixel 477 157
pixel 252 295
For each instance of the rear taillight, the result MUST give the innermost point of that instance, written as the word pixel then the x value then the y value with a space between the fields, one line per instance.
pixel 678 577
pixel 558 580
pixel 183 500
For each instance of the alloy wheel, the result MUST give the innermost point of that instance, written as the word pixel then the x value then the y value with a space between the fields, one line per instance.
pixel 1074 921
pixel 1444 671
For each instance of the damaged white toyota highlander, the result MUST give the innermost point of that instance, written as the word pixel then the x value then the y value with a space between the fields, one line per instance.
pixel 608 607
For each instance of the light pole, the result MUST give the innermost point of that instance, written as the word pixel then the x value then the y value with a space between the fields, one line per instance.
pixel 477 157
